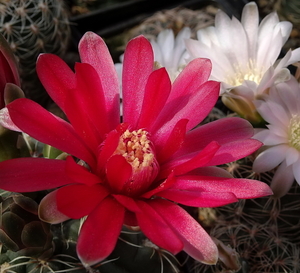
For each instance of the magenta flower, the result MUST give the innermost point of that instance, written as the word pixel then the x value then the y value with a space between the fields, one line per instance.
pixel 134 172
pixel 8 68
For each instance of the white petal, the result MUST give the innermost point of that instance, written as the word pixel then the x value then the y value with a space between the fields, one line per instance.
pixel 296 171
pixel 282 76
pixel 208 36
pixel 165 40
pixel 270 158
pixel 269 138
pixel 295 57
pixel 179 47
pixel 269 48
pixel 282 180
pixel 273 113
pixel 292 155
pixel 158 57
pixel 220 63
pixel 285 29
pixel 279 131
pixel 250 20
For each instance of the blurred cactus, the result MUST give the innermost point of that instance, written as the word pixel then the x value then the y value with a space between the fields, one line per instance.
pixel 175 19
pixel 21 230
pixel 30 245
pixel 265 232
pixel 32 27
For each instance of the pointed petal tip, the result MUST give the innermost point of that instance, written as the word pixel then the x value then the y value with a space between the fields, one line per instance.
pixel 48 211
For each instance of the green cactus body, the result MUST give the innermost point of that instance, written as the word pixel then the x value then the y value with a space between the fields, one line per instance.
pixel 264 232
pixel 32 27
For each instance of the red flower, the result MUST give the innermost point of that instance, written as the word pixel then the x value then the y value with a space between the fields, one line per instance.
pixel 136 171
pixel 8 69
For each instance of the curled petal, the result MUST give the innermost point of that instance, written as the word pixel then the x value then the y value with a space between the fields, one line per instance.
pixel 48 211
pixel 6 122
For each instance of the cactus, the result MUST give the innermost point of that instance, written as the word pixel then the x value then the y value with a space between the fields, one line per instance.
pixel 33 27
pixel 264 232
pixel 175 19
pixel 21 230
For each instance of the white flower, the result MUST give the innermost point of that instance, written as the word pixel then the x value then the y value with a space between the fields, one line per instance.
pixel 281 109
pixel 170 52
pixel 244 55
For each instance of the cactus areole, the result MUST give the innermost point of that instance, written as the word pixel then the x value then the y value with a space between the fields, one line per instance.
pixel 139 166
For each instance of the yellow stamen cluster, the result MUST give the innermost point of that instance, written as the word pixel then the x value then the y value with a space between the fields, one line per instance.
pixel 135 147
pixel 294 132
pixel 251 74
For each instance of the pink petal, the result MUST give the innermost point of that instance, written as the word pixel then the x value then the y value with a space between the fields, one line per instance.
pixel 80 174
pixel 94 97
pixel 32 174
pixel 194 107
pixel 77 201
pixel 118 173
pixel 199 199
pixel 235 150
pixel 137 67
pixel 100 231
pixel 174 141
pixel 223 131
pixel 157 90
pixel 192 97
pixel 57 78
pixel 92 123
pixel 240 187
pixel 93 50
pixel 196 73
pixel 48 211
pixel 197 243
pixel 190 162
pixel 157 229
pixel 34 120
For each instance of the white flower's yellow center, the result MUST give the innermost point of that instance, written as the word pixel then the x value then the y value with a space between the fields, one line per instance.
pixel 294 132
pixel 251 73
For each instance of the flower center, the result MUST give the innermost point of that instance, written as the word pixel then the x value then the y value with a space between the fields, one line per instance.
pixel 136 148
pixel 294 132
pixel 251 73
